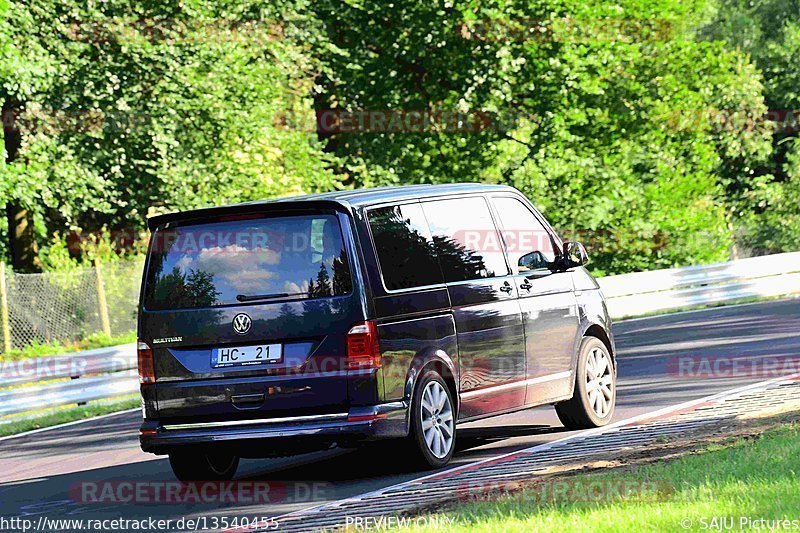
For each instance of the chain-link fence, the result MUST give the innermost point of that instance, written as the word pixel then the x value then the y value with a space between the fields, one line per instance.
pixel 68 306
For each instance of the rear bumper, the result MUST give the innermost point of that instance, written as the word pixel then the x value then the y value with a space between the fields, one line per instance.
pixel 382 421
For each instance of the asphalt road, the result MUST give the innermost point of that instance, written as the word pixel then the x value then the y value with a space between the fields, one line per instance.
pixel 663 361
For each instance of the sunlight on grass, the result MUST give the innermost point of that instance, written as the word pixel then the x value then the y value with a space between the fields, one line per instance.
pixel 750 478
pixel 96 340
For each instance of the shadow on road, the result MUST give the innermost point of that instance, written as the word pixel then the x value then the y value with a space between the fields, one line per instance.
pixel 51 465
pixel 474 437
pixel 385 458
pixel 326 476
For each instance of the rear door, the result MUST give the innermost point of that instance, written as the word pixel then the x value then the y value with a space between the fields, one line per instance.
pixel 247 315
pixel 546 296
pixel 483 296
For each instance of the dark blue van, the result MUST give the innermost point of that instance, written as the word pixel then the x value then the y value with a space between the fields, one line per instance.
pixel 293 325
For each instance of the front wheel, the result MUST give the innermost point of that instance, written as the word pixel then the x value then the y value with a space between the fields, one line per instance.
pixel 433 421
pixel 595 391
pixel 192 466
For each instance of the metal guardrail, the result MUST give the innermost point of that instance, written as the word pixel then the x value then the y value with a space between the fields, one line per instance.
pixel 109 372
pixel 89 362
pixel 78 391
pixel 656 291
pixel 41 382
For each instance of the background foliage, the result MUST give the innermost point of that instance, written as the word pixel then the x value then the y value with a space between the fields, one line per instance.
pixel 635 126
pixel 769 32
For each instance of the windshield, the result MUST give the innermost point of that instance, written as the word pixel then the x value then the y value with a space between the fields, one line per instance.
pixel 235 261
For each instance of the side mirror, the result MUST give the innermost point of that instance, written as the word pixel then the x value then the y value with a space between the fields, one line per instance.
pixel 574 255
pixel 532 261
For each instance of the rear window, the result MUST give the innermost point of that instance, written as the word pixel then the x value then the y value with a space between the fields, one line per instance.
pixel 404 246
pixel 237 261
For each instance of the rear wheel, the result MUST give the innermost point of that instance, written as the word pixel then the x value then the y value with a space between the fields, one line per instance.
pixel 595 391
pixel 433 421
pixel 193 466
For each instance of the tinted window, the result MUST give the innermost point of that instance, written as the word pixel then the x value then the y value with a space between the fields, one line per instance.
pixel 220 263
pixel 466 240
pixel 529 244
pixel 404 246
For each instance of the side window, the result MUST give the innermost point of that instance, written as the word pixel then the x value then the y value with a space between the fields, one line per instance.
pixel 405 247
pixel 466 239
pixel 529 244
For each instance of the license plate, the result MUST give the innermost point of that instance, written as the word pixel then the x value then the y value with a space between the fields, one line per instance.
pixel 246 355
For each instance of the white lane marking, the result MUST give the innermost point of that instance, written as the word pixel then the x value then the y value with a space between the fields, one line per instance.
pixel 546 446
pixel 66 424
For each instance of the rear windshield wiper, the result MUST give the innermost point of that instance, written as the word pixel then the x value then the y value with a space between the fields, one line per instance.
pixel 253 297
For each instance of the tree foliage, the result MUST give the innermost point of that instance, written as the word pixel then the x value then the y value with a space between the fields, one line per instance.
pixel 589 103
pixel 126 108
pixel 604 114
pixel 767 202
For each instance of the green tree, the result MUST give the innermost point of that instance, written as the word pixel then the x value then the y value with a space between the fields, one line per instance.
pixel 585 118
pixel 126 108
pixel 179 289
pixel 766 203
pixel 342 283
pixel 590 108
pixel 323 287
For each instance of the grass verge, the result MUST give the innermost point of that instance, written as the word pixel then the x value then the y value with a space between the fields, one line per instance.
pixel 68 414
pixel 750 478
pixel 96 340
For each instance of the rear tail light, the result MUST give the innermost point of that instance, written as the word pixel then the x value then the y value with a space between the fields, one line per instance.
pixel 362 347
pixel 145 357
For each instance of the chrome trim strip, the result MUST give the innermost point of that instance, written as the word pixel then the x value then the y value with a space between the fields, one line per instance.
pixel 515 384
pixel 227 423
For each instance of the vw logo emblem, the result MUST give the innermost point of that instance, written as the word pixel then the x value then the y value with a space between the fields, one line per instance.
pixel 242 323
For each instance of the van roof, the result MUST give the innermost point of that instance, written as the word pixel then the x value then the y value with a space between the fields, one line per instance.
pixel 348 198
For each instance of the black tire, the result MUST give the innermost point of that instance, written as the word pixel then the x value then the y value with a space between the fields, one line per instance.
pixel 578 412
pixel 193 466
pixel 422 454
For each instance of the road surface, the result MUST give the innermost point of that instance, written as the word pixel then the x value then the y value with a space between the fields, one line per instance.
pixel 48 473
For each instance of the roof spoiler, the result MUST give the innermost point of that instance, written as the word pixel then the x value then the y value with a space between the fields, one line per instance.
pixel 272 207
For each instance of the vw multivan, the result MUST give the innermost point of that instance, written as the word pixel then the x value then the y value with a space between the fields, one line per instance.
pixel 278 327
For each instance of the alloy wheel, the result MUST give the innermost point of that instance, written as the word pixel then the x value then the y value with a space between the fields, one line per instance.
pixel 599 382
pixel 438 426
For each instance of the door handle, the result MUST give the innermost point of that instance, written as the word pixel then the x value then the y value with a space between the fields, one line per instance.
pixel 506 288
pixel 525 285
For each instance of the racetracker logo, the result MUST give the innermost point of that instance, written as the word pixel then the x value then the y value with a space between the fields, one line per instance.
pixel 699 367
pixel 199 492
pixel 566 491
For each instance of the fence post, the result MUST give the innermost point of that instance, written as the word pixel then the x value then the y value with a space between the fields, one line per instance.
pixel 4 309
pixel 101 298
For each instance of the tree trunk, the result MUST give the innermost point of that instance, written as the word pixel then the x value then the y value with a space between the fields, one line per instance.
pixel 22 249
pixel 733 251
